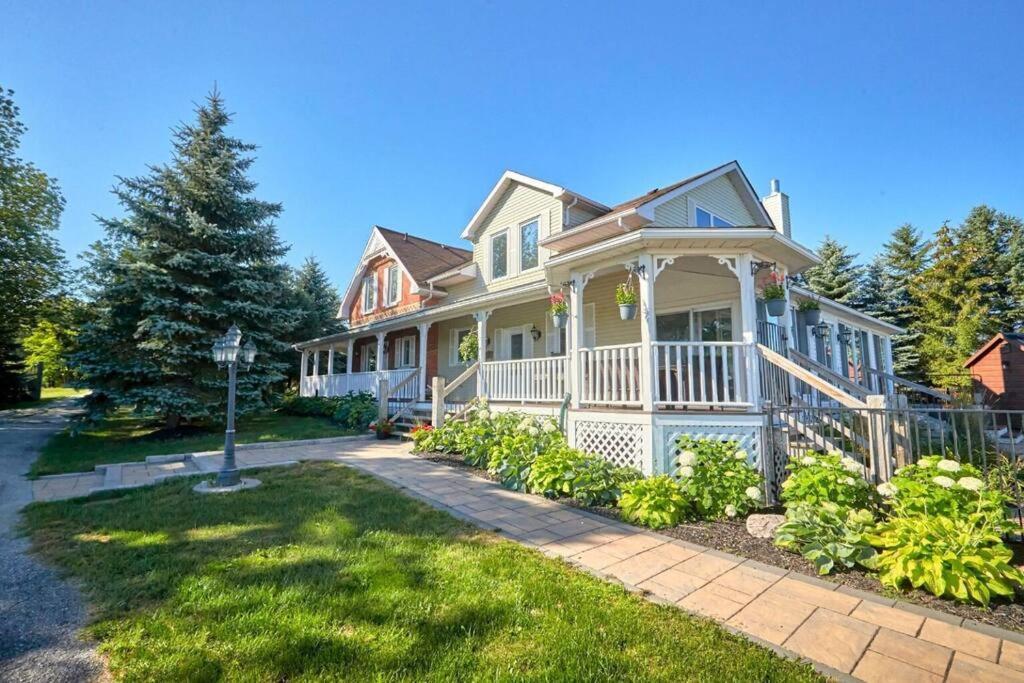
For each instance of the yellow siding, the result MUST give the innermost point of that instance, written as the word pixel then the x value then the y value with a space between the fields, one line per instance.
pixel 718 196
pixel 517 205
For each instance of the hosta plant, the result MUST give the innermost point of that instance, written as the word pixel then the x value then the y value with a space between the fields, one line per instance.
pixel 564 471
pixel 827 477
pixel 512 455
pixel 656 502
pixel 715 475
pixel 937 486
pixel 955 557
pixel 832 537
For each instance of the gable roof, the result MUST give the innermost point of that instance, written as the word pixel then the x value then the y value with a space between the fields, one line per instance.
pixel 419 258
pixel 1008 337
pixel 507 179
pixel 423 258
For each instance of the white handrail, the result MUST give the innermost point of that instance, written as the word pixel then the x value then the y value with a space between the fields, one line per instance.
pixel 526 380
pixel 701 373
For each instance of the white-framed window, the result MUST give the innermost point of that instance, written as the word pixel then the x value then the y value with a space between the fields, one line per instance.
pixel 369 293
pixel 514 343
pixel 368 358
pixel 706 219
pixel 393 285
pixel 529 233
pixel 499 255
pixel 457 335
pixel 405 354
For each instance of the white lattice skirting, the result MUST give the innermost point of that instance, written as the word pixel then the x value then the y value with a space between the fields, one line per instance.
pixel 620 443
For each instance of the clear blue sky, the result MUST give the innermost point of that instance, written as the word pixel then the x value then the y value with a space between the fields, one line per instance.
pixel 405 114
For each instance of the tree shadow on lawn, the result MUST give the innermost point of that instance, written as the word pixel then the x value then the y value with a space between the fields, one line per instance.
pixel 326 572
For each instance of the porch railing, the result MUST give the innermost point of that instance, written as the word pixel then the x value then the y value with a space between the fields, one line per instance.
pixel 610 375
pixel 343 383
pixel 701 373
pixel 531 379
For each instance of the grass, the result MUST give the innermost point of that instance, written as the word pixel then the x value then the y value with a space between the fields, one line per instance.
pixel 323 573
pixel 124 437
pixel 50 394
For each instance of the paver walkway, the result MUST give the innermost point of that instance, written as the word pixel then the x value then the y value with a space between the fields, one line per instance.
pixel 846 633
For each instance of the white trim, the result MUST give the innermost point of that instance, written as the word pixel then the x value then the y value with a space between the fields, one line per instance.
pixel 453 346
pixel 400 349
pixel 392 297
pixel 369 291
pixel 519 241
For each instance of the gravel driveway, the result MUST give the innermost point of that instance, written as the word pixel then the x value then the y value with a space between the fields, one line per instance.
pixel 39 613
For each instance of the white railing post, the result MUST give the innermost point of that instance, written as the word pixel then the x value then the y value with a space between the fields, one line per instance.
pixel 574 336
pixel 381 361
pixel 382 399
pixel 330 359
pixel 421 359
pixel 648 331
pixel 437 402
pixel 349 355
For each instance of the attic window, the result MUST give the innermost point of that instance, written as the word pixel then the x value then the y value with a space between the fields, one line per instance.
pixel 369 294
pixel 393 286
pixel 499 255
pixel 706 219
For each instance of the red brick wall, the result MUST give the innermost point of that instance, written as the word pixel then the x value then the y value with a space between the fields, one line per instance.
pixel 432 350
pixel 407 301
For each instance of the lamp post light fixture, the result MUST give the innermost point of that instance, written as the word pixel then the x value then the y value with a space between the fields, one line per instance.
pixel 845 335
pixel 821 330
pixel 227 352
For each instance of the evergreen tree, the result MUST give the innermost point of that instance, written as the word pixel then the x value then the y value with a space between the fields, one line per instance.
pixel 903 259
pixel 984 241
pixel 194 253
pixel 30 259
pixel 872 297
pixel 318 302
pixel 836 277
pixel 953 312
pixel 1015 275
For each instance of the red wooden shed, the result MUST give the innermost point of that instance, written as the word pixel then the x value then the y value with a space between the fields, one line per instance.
pixel 997 369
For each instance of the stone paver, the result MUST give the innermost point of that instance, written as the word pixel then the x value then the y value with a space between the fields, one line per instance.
pixel 843 632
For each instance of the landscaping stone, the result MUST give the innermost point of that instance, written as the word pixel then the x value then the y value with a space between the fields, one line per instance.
pixel 763 526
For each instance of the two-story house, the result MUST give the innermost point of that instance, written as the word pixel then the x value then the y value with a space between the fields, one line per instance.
pixel 700 356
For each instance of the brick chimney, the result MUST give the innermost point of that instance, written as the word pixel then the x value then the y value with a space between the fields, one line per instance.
pixel 777 206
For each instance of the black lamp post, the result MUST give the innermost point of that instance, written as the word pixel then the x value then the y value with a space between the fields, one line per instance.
pixel 228 352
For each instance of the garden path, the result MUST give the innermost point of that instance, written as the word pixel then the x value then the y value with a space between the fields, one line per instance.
pixel 848 634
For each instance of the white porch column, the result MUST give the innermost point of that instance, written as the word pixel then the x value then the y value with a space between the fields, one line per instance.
pixel 349 354
pixel 574 335
pixel 303 369
pixel 874 381
pixel 787 320
pixel 648 330
pixel 481 349
pixel 748 326
pixel 316 363
pixel 330 360
pixel 421 358
pixel 381 363
pixel 838 361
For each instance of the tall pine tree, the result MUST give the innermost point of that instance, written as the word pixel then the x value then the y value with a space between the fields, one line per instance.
pixel 318 302
pixel 836 277
pixel 194 253
pixel 903 259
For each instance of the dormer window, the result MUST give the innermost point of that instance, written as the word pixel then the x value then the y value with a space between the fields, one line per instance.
pixel 394 286
pixel 499 255
pixel 369 293
pixel 706 219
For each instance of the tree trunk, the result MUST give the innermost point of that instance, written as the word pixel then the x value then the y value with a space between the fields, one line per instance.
pixel 172 421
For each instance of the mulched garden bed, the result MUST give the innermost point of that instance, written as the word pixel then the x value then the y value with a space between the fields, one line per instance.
pixel 732 537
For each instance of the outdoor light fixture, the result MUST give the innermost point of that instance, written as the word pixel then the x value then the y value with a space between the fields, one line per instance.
pixel 535 333
pixel 227 351
pixel 757 266
pixel 821 330
pixel 845 335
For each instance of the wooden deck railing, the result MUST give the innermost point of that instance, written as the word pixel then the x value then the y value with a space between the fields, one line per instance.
pixel 530 380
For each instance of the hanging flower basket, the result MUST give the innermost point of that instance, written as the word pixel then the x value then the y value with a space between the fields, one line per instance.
pixel 774 295
pixel 625 297
pixel 811 311
pixel 559 310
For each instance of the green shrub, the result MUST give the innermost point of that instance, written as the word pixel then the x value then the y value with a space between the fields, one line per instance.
pixel 656 502
pixel 956 557
pixel 937 486
pixel 313 406
pixel 828 535
pixel 512 457
pixel 590 479
pixel 716 477
pixel 356 411
pixel 827 477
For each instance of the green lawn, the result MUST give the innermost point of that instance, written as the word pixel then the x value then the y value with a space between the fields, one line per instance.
pixel 50 394
pixel 124 437
pixel 323 573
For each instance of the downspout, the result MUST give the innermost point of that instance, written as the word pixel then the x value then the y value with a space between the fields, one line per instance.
pixel 566 210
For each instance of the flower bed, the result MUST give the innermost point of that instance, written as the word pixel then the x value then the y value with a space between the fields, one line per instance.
pixel 931 536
